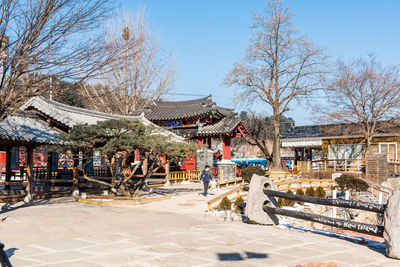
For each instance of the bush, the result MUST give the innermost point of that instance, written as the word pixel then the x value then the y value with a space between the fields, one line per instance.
pixel 225 204
pixel 289 202
pixel 320 192
pixel 300 192
pixel 318 174
pixel 310 192
pixel 238 201
pixel 349 182
pixel 281 202
pixel 248 172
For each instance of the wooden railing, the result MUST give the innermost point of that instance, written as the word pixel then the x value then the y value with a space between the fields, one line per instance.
pixel 190 176
pixel 283 186
pixel 232 195
pixel 376 230
pixel 305 183
pixel 339 165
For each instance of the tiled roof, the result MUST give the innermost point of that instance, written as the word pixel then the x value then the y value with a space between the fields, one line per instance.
pixel 227 124
pixel 26 127
pixel 305 132
pixel 69 115
pixel 174 110
pixel 325 131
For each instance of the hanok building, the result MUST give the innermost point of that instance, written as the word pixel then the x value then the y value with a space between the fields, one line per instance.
pixel 338 146
pixel 39 122
pixel 199 120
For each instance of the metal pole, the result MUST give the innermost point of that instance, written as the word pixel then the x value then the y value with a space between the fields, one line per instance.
pixel 334 208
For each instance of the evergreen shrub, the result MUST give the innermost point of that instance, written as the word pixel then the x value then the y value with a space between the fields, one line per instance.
pixel 225 204
pixel 248 172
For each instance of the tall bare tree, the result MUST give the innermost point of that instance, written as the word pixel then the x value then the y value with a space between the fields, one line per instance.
pixel 143 72
pixel 43 37
pixel 279 66
pixel 366 95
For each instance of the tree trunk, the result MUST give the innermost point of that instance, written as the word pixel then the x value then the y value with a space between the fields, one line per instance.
pixel 276 151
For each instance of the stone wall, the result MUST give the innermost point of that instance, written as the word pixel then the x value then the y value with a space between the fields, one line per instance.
pixel 204 157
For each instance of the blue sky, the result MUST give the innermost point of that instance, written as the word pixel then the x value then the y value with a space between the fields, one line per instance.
pixel 208 36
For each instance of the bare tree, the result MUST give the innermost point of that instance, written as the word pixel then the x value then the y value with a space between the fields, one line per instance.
pixel 366 96
pixel 143 72
pixel 279 66
pixel 260 129
pixel 47 37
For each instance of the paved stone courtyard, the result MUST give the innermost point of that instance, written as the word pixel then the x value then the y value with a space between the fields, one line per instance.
pixel 174 232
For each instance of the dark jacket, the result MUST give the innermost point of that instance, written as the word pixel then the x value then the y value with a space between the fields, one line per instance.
pixel 205 176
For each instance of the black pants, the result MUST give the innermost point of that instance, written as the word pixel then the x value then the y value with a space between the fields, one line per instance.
pixel 205 183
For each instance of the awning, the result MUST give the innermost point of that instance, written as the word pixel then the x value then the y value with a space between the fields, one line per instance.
pixel 302 143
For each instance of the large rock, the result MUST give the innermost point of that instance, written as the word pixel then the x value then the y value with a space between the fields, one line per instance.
pixel 392 226
pixel 255 199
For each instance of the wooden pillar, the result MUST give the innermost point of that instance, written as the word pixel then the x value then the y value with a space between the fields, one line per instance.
pixel 227 147
pixel 8 167
pixel 209 142
pixel 75 174
pixel 137 155
pixel 29 174
pixel 167 174
pixel 49 171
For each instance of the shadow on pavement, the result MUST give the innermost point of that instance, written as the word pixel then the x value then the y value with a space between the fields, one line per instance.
pixel 177 191
pixel 10 252
pixel 240 257
pixel 371 244
pixel 11 206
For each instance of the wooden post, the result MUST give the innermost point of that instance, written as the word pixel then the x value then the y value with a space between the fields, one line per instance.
pixel 75 174
pixel 334 208
pixel 209 142
pixel 144 166
pixel 8 167
pixel 227 147
pixel 167 174
pixel 29 176
pixel 49 175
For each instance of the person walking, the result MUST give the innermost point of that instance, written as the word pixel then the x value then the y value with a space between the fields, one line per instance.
pixel 205 177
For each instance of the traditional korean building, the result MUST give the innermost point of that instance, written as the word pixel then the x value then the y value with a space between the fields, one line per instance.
pixel 340 147
pixel 198 120
pixel 39 122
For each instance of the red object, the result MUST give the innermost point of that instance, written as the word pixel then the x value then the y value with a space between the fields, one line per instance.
pixel 238 172
pixel 200 141
pixel 137 155
pixel 189 164
pixel 227 147
pixel 215 172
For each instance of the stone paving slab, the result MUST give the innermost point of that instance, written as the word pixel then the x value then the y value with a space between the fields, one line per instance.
pixel 65 233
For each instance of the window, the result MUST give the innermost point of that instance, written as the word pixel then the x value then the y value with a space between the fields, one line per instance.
pixel 388 148
pixel 345 151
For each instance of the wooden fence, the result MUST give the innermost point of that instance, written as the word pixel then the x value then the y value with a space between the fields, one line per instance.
pixel 232 195
pixel 181 176
pixel 337 165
